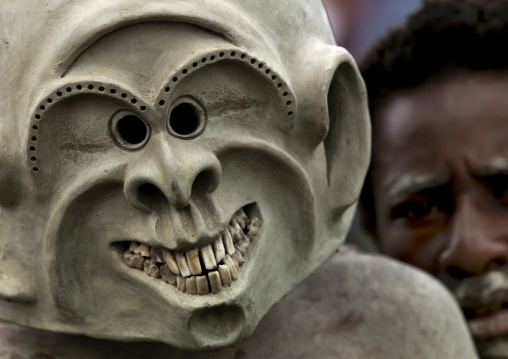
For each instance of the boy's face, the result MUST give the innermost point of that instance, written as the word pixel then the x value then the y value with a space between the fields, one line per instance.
pixel 440 184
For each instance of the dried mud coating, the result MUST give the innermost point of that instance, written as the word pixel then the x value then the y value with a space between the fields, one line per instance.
pixel 184 157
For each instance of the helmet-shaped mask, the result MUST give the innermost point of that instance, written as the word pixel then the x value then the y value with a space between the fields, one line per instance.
pixel 171 169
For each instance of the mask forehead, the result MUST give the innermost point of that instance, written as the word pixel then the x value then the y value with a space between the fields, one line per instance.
pixel 147 56
pixel 147 68
pixel 278 35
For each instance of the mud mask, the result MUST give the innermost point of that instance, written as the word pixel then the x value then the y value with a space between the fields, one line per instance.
pixel 171 170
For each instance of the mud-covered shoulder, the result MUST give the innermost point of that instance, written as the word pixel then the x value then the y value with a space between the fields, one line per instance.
pixel 376 307
pixel 355 306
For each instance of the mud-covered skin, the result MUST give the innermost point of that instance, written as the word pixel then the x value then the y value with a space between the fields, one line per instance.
pixel 382 309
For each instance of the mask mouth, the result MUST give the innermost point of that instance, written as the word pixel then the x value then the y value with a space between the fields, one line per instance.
pixel 203 270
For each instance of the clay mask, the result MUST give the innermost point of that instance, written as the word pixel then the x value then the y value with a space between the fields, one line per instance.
pixel 172 170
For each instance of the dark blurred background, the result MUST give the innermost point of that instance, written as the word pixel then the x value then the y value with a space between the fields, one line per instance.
pixel 356 25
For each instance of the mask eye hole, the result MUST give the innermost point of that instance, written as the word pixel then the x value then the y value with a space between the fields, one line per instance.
pixel 183 119
pixel 132 129
pixel 129 130
pixel 187 119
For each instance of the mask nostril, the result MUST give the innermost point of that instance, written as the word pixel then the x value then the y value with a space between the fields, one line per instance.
pixel 205 181
pixel 151 196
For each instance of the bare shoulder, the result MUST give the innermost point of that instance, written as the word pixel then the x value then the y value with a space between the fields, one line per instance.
pixel 362 306
pixel 354 307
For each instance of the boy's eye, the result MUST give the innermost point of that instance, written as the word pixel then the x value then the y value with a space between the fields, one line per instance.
pixel 413 210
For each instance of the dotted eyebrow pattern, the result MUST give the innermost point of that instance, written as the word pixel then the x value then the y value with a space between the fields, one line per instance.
pixel 65 92
pixel 286 95
pixel 287 98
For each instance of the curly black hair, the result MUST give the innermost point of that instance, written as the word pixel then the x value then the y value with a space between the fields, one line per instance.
pixel 441 40
pixel 444 35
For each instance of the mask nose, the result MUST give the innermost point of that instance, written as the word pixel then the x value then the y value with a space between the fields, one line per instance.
pixel 478 241
pixel 163 175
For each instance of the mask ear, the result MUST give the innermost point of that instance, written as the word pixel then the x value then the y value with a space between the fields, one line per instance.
pixel 345 135
pixel 347 143
pixel 14 287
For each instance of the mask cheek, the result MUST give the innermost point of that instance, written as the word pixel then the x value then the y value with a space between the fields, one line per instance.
pixel 72 140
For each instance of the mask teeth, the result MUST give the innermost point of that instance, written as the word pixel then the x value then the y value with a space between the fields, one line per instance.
pixel 199 271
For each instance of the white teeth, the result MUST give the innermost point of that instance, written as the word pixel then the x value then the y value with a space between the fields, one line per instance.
pixel 237 265
pixel 180 283
pixel 225 275
pixel 151 268
pixel 253 227
pixel 242 218
pixel 219 250
pixel 142 249
pixel 167 275
pixel 228 242
pixel 236 232
pixel 193 261
pixel 237 256
pixel 182 264
pixel 133 260
pixel 243 244
pixel 202 284
pixel 201 270
pixel 232 267
pixel 190 285
pixel 133 246
pixel 156 255
pixel 238 220
pixel 171 261
pixel 215 282
pixel 208 257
